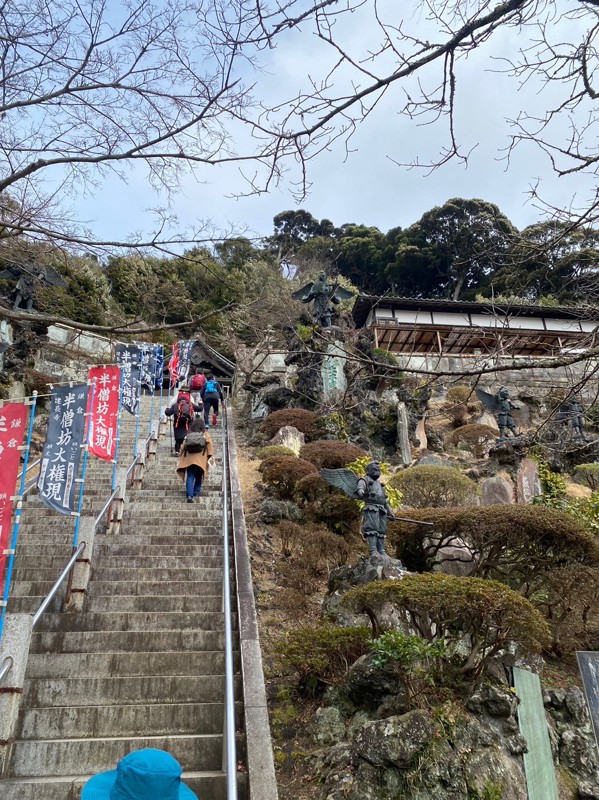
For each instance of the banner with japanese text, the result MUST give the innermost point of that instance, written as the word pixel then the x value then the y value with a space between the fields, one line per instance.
pixel 184 358
pixel 151 361
pixel 128 358
pixel 62 449
pixel 173 365
pixel 13 418
pixel 104 410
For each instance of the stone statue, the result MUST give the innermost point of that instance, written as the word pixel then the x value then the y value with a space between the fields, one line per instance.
pixel 30 275
pixel 501 405
pixel 572 413
pixel 323 296
pixel 377 511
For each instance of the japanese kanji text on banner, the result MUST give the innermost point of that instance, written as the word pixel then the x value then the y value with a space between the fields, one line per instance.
pixel 12 427
pixel 104 412
pixel 62 449
pixel 128 357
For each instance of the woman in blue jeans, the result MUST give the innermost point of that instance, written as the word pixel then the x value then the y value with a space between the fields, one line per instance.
pixel 197 454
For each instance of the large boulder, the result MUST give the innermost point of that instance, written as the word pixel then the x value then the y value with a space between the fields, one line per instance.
pixel 492 770
pixel 290 437
pixel 396 741
pixel 498 490
pixel 367 684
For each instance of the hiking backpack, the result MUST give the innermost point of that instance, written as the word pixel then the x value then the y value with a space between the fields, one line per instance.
pixel 184 413
pixel 197 383
pixel 212 387
pixel 195 442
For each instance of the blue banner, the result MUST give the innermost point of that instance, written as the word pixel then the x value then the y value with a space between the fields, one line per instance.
pixel 62 449
pixel 128 358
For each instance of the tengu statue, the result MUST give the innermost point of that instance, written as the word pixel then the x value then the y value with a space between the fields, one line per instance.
pixel 324 296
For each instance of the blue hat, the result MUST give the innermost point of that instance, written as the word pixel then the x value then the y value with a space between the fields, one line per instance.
pixel 142 775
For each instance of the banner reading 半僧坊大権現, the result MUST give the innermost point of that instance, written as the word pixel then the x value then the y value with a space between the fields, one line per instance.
pixel 104 411
pixel 62 448
pixel 128 358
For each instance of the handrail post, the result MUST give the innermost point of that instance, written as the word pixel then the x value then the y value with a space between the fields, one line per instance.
pixel 14 648
pixel 229 744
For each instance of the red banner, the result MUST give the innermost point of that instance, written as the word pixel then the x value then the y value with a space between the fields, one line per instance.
pixel 13 418
pixel 173 365
pixel 104 412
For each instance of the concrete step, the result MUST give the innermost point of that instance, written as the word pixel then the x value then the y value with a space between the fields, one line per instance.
pixel 121 691
pixel 98 665
pixel 30 604
pixel 212 557
pixel 174 527
pixel 133 551
pixel 154 719
pixel 133 575
pixel 71 756
pixel 126 641
pixel 153 603
pixel 156 588
pixel 207 786
pixel 152 621
pixel 124 574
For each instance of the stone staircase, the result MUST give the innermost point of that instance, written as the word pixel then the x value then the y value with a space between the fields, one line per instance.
pixel 143 664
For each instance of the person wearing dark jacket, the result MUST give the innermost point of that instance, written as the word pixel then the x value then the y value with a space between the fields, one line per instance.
pixel 211 393
pixel 182 410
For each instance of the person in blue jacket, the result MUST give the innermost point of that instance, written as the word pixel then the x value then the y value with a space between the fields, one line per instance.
pixel 211 394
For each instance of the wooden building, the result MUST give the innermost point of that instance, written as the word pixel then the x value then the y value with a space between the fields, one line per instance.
pixel 455 328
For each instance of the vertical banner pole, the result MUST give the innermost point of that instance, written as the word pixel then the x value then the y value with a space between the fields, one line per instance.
pixel 15 530
pixel 138 410
pixel 153 392
pixel 83 471
pixel 162 383
pixel 118 432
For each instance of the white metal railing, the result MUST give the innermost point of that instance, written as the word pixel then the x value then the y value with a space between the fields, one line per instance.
pixel 229 748
pixel 5 667
pixel 50 596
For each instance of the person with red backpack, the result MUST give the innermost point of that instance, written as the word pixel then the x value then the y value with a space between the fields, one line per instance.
pixel 196 385
pixel 182 410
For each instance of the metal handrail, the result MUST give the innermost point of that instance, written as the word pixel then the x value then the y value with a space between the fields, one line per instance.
pixel 6 666
pixel 50 596
pixel 107 506
pixel 229 749
pixel 29 466
pixel 30 484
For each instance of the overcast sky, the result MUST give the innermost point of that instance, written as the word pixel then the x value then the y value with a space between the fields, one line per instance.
pixel 366 186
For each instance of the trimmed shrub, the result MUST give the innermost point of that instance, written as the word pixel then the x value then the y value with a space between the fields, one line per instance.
pixel 283 473
pixel 513 544
pixel 314 545
pixel 331 453
pixel 588 475
pixel 434 487
pixel 442 608
pixel 274 450
pixel 321 502
pixel 300 418
pixel 322 654
pixel 569 599
pixel 475 438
